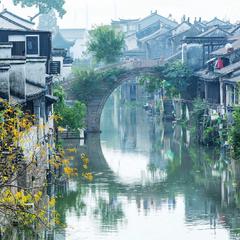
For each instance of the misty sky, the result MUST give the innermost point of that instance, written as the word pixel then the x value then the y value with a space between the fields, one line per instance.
pixel 83 13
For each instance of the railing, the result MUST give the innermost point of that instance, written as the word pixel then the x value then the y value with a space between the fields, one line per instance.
pixel 71 135
pixel 132 64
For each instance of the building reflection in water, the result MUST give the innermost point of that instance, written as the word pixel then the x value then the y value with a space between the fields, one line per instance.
pixel 150 182
pixel 157 174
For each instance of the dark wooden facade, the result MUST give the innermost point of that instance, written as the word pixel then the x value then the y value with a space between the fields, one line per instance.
pixel 40 43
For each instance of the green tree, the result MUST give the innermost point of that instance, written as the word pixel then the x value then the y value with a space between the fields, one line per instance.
pixel 175 78
pixel 44 6
pixel 73 117
pixel 105 44
pixel 234 135
pixel 88 84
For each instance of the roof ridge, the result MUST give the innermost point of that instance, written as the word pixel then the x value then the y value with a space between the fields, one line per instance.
pixel 14 15
pixel 11 21
pixel 216 18
pixel 156 13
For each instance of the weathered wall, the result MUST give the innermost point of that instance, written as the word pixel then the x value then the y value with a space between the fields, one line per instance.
pixel 193 56
pixel 17 76
pixel 4 82
pixel 36 71
pixel 131 42
pixel 5 50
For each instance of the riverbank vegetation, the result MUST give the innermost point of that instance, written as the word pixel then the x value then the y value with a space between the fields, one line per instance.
pixel 175 79
pixel 72 117
pixel 176 82
pixel 90 83
pixel 234 135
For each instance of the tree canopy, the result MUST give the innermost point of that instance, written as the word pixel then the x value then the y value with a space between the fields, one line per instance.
pixel 43 5
pixel 175 78
pixel 105 44
pixel 88 84
pixel 73 117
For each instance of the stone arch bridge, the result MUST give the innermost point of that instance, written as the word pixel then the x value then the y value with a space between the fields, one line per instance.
pixel 96 103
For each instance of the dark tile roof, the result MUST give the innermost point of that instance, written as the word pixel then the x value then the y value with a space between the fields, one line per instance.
pixel 229 69
pixel 233 30
pixel 212 30
pixel 158 33
pixel 33 91
pixel 211 76
pixel 217 20
pixel 223 51
pixel 206 75
pixel 161 18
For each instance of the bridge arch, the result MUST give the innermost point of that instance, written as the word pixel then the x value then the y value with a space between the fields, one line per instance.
pixel 96 104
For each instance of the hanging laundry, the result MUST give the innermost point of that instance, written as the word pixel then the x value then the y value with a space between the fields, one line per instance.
pixel 219 64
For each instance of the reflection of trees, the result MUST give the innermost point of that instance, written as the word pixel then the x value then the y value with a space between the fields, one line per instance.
pixel 204 176
pixel 110 213
pixel 71 201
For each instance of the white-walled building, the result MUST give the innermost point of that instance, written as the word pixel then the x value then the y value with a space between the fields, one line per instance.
pixel 79 37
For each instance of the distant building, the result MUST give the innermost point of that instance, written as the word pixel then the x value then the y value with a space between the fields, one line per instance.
pixel 217 22
pixel 179 33
pixel 153 23
pixel 79 38
pixel 156 45
pixel 216 31
pixel 138 33
pixel 235 30
pixel 126 26
pixel 218 82
pixel 59 42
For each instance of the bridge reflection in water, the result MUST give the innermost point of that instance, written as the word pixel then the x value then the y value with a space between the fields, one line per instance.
pixel 152 182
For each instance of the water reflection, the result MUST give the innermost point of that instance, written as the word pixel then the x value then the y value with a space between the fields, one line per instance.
pixel 151 182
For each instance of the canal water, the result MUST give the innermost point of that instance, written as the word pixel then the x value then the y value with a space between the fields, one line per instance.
pixel 150 182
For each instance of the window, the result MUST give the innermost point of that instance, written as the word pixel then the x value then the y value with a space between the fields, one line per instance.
pixel 18 42
pixel 18 49
pixel 32 45
pixel 55 67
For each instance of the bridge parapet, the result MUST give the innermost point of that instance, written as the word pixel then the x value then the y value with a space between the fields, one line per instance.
pixel 133 64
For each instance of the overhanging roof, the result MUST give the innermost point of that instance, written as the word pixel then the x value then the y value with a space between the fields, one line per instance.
pixel 229 69
pixel 33 91
pixel 223 51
